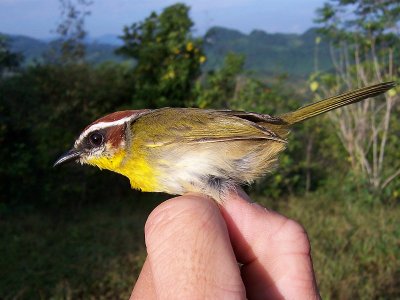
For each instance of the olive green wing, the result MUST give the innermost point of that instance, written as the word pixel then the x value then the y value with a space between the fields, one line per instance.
pixel 190 125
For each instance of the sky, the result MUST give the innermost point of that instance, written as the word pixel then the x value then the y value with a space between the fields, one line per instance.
pixel 39 18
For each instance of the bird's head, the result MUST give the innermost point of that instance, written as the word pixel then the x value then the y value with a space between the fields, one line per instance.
pixel 103 143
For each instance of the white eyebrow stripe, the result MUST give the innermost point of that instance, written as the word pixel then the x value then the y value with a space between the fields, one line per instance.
pixel 102 125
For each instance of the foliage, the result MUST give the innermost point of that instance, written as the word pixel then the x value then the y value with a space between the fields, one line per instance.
pixel 358 19
pixel 97 251
pixel 219 87
pixel 168 58
pixel 71 31
pixel 354 246
pixel 8 59
pixel 267 53
pixel 365 47
pixel 42 118
pixel 94 252
pixel 36 51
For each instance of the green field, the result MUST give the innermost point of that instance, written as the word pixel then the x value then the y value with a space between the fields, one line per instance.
pixel 97 251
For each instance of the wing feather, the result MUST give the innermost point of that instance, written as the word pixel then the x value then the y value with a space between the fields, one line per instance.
pixel 190 125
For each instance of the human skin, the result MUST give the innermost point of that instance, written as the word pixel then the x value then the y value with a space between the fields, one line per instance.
pixel 194 246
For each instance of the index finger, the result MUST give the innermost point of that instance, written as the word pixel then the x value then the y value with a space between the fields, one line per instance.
pixel 275 251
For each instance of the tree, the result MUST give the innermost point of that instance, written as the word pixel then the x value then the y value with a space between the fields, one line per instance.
pixel 8 59
pixel 70 48
pixel 168 57
pixel 56 102
pixel 365 42
pixel 220 86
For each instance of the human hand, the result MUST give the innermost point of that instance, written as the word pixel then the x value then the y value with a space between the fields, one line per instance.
pixel 193 248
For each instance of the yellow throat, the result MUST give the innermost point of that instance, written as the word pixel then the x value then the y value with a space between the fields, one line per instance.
pixel 141 174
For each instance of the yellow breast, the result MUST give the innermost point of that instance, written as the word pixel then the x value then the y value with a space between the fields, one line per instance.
pixel 140 173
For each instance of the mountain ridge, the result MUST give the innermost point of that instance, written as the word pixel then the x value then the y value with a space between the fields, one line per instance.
pixel 269 53
pixel 265 53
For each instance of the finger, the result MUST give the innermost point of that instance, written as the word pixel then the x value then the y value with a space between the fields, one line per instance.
pixel 275 252
pixel 189 251
pixel 144 287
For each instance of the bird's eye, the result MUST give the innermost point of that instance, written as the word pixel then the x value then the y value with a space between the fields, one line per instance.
pixel 96 139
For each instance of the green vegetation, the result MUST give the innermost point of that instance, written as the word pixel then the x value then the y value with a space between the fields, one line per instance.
pixel 354 246
pixel 265 53
pixel 34 50
pixel 367 51
pixel 94 251
pixel 78 233
pixel 168 58
pixel 97 251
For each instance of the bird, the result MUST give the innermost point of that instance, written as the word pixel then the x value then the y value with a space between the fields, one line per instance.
pixel 181 150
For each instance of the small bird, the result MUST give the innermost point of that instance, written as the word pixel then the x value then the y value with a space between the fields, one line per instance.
pixel 180 150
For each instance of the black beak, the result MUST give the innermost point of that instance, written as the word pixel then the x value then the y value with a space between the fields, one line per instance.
pixel 71 155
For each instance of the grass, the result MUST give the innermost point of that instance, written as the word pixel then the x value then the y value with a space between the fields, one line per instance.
pixel 355 246
pixel 97 251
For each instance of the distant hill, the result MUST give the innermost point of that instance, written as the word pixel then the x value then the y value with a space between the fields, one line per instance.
pixel 265 53
pixel 34 49
pixel 268 53
pixel 30 48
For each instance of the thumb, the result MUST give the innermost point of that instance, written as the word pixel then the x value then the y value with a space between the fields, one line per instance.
pixel 189 251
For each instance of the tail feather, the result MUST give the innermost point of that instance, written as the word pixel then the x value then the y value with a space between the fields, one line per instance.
pixel 320 107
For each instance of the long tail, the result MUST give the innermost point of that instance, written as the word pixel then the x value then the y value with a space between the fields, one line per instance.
pixel 320 107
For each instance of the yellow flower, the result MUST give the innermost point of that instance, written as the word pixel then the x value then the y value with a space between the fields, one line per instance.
pixel 314 86
pixel 189 46
pixel 169 75
pixel 202 59
pixel 392 92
